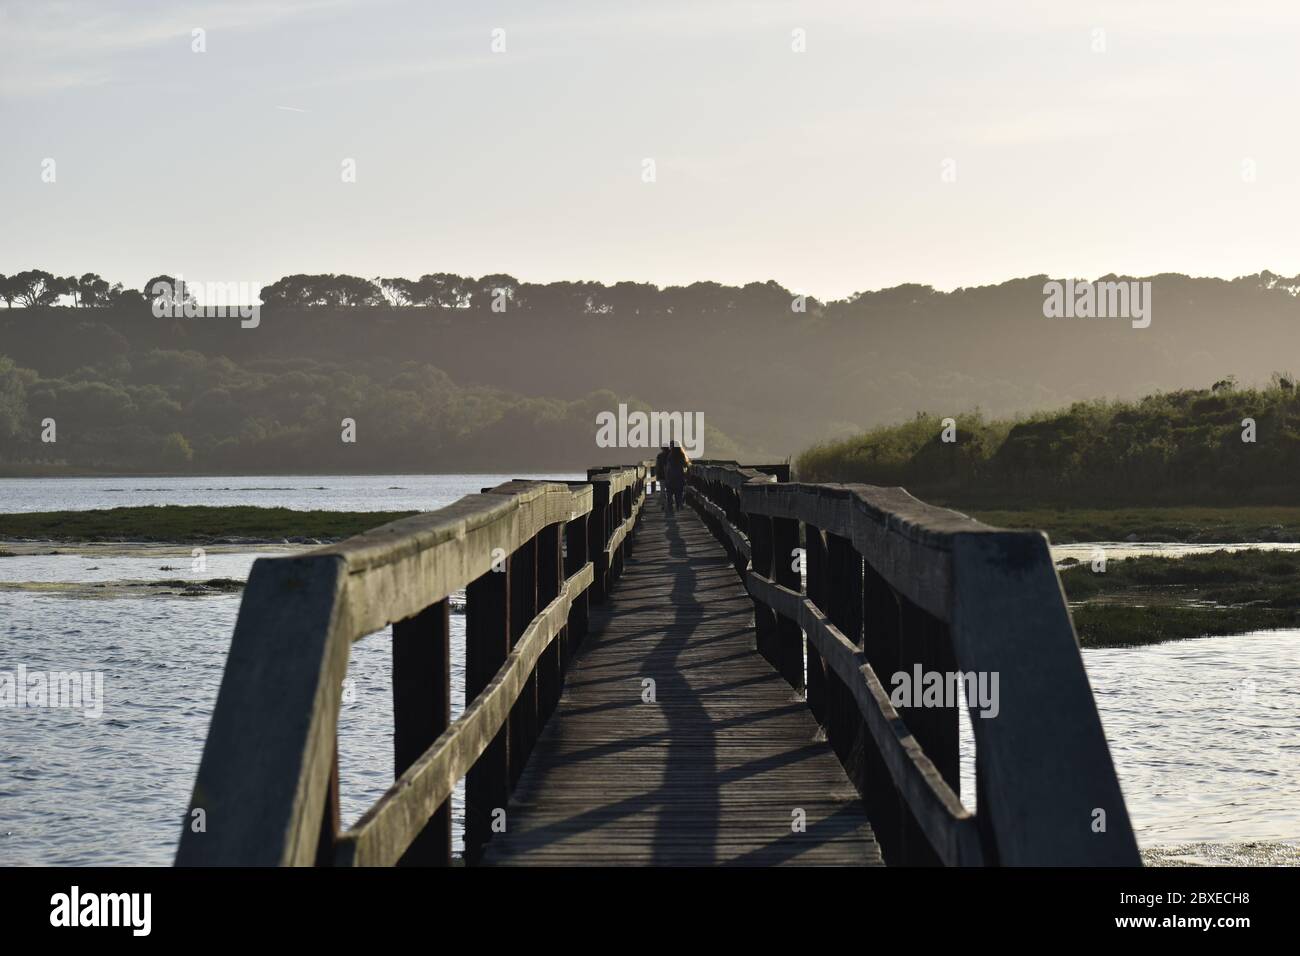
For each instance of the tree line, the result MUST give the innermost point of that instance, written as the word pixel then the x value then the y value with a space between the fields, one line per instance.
pixel 502 292
pixel 182 411
pixel 497 292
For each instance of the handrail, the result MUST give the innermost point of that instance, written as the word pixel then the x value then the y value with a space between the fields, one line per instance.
pixel 266 792
pixel 950 828
pixel 391 825
pixel 898 588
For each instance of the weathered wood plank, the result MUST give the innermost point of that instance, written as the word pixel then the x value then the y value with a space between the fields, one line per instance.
pixel 738 540
pixel 289 655
pixel 397 570
pixel 264 803
pixel 948 825
pixel 907 541
pixel 383 833
pixel 712 769
pixel 421 712
pixel 1044 764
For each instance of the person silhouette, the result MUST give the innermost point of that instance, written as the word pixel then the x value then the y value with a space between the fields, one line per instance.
pixel 676 464
pixel 661 465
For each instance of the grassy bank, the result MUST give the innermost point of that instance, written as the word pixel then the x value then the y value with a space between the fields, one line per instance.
pixel 1190 525
pixel 1147 600
pixel 1118 625
pixel 1218 446
pixel 197 524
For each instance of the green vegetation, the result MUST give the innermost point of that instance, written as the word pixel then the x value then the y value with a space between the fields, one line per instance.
pixel 1267 578
pixel 1185 524
pixel 1150 599
pixel 220 585
pixel 184 412
pixel 1117 625
pixel 192 524
pixel 1183 447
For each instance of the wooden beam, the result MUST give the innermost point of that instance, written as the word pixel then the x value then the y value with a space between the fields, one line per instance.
pixel 950 827
pixel 1046 775
pixel 421 712
pixel 264 803
pixel 382 835
pixel 908 542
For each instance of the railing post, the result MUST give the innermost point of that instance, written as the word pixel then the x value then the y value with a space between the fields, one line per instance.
pixel 550 578
pixel 815 555
pixel 422 711
pixel 881 629
pixel 785 571
pixel 330 822
pixel 760 546
pixel 597 538
pixel 923 642
pixel 619 509
pixel 523 608
pixel 847 731
pixel 487 644
pixel 575 540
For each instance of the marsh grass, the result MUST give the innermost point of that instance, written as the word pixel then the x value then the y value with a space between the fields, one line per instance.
pixel 193 524
pixel 1230 525
pixel 1149 599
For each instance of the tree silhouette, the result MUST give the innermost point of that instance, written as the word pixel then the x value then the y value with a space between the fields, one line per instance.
pixel 628 298
pixel 486 290
pixel 315 291
pixel 36 287
pixel 167 290
pixel 90 290
pixel 398 291
pixel 442 289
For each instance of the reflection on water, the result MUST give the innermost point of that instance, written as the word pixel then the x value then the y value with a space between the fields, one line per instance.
pixel 1118 550
pixel 1205 735
pixel 159 565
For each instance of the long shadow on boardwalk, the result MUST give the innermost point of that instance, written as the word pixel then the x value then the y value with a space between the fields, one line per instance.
pixel 714 770
pixel 691 764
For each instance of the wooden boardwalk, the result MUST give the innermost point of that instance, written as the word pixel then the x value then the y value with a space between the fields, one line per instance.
pixel 625 697
pixel 716 769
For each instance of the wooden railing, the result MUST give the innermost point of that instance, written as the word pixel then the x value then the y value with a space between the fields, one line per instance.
pixel 529 555
pixel 899 587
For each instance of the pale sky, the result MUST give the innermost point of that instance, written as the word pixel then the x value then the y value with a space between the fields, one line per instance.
pixel 821 169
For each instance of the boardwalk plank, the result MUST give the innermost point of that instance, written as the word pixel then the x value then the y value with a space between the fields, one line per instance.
pixel 712 771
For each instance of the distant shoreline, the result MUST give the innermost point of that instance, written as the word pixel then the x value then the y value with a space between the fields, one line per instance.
pixel 8 473
pixel 193 524
pixel 251 524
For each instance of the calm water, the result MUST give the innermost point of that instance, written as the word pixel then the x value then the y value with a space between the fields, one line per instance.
pixel 1204 733
pixel 304 493
pixel 1118 550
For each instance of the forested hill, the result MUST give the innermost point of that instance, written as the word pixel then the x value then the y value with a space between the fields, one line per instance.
pixel 770 379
